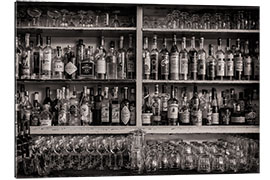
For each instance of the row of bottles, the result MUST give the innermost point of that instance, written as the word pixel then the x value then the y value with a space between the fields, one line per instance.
pixel 42 63
pixel 105 107
pixel 237 62
pixel 199 108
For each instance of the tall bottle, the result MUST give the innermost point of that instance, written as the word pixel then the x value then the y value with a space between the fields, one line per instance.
pixel 184 111
pixel 55 108
pixel 154 59
pixel 27 110
pixel 105 108
pixel 37 57
pixel 80 53
pixel 90 93
pixel 247 62
pixel 74 110
pixel 193 60
pixel 100 60
pixel 47 99
pixel 132 106
pixel 220 57
pixel 215 108
pixel 201 61
pixel 147 110
pixel 174 60
pixel 111 61
pixel 238 61
pixel 85 110
pixel 46 116
pixel 58 65
pixel 36 110
pixel 18 58
pixel 97 111
pixel 63 114
pixel 164 61
pixel 70 64
pixel 146 59
pixel 156 107
pixel 225 112
pixel 26 58
pixel 211 64
pixel 173 108
pixel 256 62
pixel 115 107
pixel 87 65
pixel 164 105
pixel 229 61
pixel 131 60
pixel 196 112
pixel 125 111
pixel 250 112
pixel 121 60
pixel 46 66
pixel 183 61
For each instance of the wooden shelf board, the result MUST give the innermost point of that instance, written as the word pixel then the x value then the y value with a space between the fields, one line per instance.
pixel 75 81
pixel 79 28
pixel 200 30
pixel 200 82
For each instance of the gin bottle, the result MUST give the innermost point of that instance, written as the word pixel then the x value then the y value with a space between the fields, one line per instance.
pixel 111 62
pixel 58 65
pixel 46 66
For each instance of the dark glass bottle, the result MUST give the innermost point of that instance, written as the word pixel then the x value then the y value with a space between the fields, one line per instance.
pixel 97 110
pixel 147 110
pixel 225 111
pixel 173 108
pixel 211 64
pixel 164 61
pixel 174 61
pixel 154 59
pixel 196 113
pixel 193 60
pixel 47 99
pixel 215 108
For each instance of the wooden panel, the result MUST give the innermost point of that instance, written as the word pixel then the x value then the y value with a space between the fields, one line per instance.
pixel 199 82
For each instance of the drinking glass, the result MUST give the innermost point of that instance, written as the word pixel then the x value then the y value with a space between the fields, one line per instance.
pixel 82 14
pixel 185 20
pixel 64 21
pixel 91 146
pixel 102 149
pixel 35 13
pixel 146 23
pixel 195 21
pixel 54 15
pixel 206 21
pixel 59 152
pixel 21 16
pixel 78 149
pixel 71 22
pixel 115 21
pixel 114 150
pixel 90 19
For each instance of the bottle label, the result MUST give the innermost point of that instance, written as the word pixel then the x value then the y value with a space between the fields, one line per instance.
pixel 130 62
pixel 46 63
pixel 201 56
pixel 146 118
pixel 105 116
pixel 230 66
pixel 215 118
pixel 73 110
pixel 212 69
pixel 247 66
pixel 156 118
pixel 115 113
pixel 185 117
pixel 36 57
pixel 220 57
pixel 132 115
pixel 35 120
pixel 238 64
pixel 220 68
pixel 196 118
pixel 154 63
pixel 59 66
pixel 225 116
pixel 45 122
pixel 238 120
pixel 250 117
pixel 84 111
pixel 193 63
pixel 164 65
pixel 201 67
pixel 70 68
pixel 62 117
pixel 147 63
pixel 173 111
pixel 125 115
pixel 121 66
pixel 164 104
pixel 156 107
pixel 184 66
pixel 87 69
pixel 101 66
pixel 209 118
pixel 174 63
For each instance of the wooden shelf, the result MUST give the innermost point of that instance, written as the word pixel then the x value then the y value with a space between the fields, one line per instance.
pixel 43 130
pixel 199 82
pixel 200 30
pixel 75 81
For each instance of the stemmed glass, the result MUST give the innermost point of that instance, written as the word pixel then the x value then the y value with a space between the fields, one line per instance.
pixel 71 19
pixel 54 14
pixel 121 146
pixel 114 150
pixel 195 21
pixel 102 149
pixel 91 146
pixel 58 149
pixel 82 17
pixel 21 16
pixel 115 21
pixel 35 13
pixel 185 20
pixel 90 19
pixel 64 22
pixel 78 149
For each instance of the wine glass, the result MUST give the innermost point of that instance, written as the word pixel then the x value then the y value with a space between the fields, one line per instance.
pixel 91 146
pixel 102 149
pixel 82 17
pixel 121 146
pixel 115 21
pixel 114 150
pixel 59 152
pixel 54 15
pixel 64 21
pixel 90 19
pixel 21 16
pixel 78 149
pixel 35 13
pixel 71 22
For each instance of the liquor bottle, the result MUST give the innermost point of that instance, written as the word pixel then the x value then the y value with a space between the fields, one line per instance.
pixel 225 112
pixel 63 114
pixel 183 61
pixel 105 108
pixel 91 104
pixel 111 62
pixel 21 106
pixel 250 112
pixel 58 65
pixel 80 53
pixel 74 110
pixel 164 105
pixel 156 107
pixel 115 107
pixel 256 62
pixel 18 58
pixel 47 99
pixel 146 59
pixel 229 66
pixel 87 65
pixel 241 101
pixel 184 111
pixel 238 117
pixel 132 107
pixel 247 62
pixel 211 64
pixel 37 57
pixel 55 108
pixel 121 60
pixel 193 60
pixel 36 111
pixel 84 108
pixel 70 64
pixel 130 60
pixel 97 110
pixel 204 104
pixel 46 116
pixel 215 108
pixel 220 57
pixel 125 112
pixel 154 59
pixel 232 101
pixel 173 108
pixel 201 61
pixel 147 110
pixel 196 112
pixel 238 61
pixel 100 60
pixel 209 111
pixel 18 114
pixel 27 110
pixel 26 59
pixel 164 61
pixel 46 66
pixel 174 60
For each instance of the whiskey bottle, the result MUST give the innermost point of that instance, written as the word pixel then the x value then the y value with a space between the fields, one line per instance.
pixel 211 64
pixel 47 99
pixel 215 108
pixel 147 110
pixel 37 57
pixel 196 112
pixel 100 60
pixel 46 116
pixel 156 107
pixel 183 61
pixel 146 59
pixel 97 110
pixel 225 112
pixel 74 110
pixel 26 58
pixel 201 61
pixel 173 108
pixel 56 108
pixel 58 65
pixel 111 62
pixel 125 110
pixel 85 109
pixel 80 53
pixel 130 60
pixel 105 108
pixel 64 114
pixel 36 110
pixel 229 61
pixel 46 66
pixel 174 60
pixel 87 65
pixel 164 105
pixel 132 107
pixel 193 60
pixel 238 61
pixel 220 57
pixel 247 62
pixel 164 61
pixel 121 60
pixel 184 111
pixel 250 112
pixel 256 62
pixel 154 59
pixel 115 107
pixel 70 66
pixel 232 101
pixel 238 117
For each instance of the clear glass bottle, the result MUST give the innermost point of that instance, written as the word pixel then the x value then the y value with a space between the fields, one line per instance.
pixel 121 60
pixel 46 66
pixel 132 106
pixel 193 60
pixel 87 66
pixel 154 59
pixel 63 115
pixel 105 107
pixel 37 57
pixel 173 108
pixel 58 65
pixel 164 105
pixel 146 59
pixel 247 62
pixel 211 64
pixel 201 61
pixel 125 111
pixel 174 60
pixel 196 112
pixel 225 112
pixel 164 61
pixel 220 58
pixel 232 101
pixel 80 53
pixel 229 61
pixel 183 61
pixel 111 61
pixel 85 109
pixel 100 60
pixel 26 58
pixel 70 64
pixel 115 107
pixel 36 110
pixel 147 110
pixel 74 109
pixel 238 59
pixel 131 60
pixel 184 111
pixel 215 108
pixel 46 116
pixel 156 107
pixel 204 105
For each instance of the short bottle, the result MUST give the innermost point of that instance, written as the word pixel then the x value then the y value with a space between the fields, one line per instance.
pixel 87 65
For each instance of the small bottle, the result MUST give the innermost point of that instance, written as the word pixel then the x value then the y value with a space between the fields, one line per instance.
pixel 26 59
pixel 147 110
pixel 97 107
pixel 115 107
pixel 36 110
pixel 46 66
pixel 111 61
pixel 58 65
pixel 105 108
pixel 70 64
pixel 215 108
pixel 154 59
pixel 229 61
pixel 201 61
pixel 146 59
pixel 37 57
pixel 173 108
pixel 220 57
pixel 121 60
pixel 132 107
pixel 238 61
pixel 174 60
pixel 193 60
pixel 125 110
pixel 247 62
pixel 211 64
pixel 183 61
pixel 164 61
pixel 131 60
pixel 156 107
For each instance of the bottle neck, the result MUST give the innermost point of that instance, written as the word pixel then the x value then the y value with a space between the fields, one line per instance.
pixel 126 94
pixel 201 44
pixel 145 44
pixel 27 41
pixel 121 44
pixel 47 93
pixel 130 42
pixel 193 43
pixel 184 44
